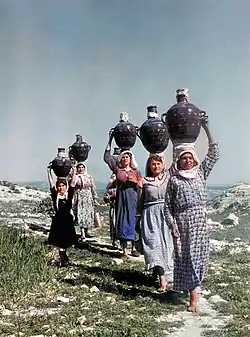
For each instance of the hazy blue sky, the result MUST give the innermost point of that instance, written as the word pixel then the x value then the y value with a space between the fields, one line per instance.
pixel 72 66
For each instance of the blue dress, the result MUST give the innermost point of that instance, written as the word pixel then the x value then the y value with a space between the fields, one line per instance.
pixel 126 200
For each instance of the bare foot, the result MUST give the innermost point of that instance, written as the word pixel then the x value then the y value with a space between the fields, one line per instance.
pixel 192 307
pixel 162 290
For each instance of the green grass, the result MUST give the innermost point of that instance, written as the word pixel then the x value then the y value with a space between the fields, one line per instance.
pixel 125 305
pixel 230 278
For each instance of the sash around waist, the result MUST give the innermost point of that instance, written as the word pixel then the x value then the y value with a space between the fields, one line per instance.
pixel 155 202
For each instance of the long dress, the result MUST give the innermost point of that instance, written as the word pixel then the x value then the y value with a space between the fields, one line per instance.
pixel 126 200
pixel 62 232
pixel 84 202
pixel 185 206
pixel 111 191
pixel 156 236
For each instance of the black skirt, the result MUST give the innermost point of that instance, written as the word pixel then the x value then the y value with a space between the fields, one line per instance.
pixel 62 232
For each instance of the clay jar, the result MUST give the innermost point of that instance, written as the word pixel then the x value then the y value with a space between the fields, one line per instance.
pixel 153 133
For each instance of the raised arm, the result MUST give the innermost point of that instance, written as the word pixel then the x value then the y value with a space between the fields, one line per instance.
pixel 212 155
pixel 107 156
pixel 50 178
pixel 73 178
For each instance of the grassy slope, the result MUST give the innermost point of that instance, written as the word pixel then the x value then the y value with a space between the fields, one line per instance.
pixel 125 305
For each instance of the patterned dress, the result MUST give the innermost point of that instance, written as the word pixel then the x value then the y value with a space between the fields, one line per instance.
pixel 126 199
pixel 156 236
pixel 84 201
pixel 185 207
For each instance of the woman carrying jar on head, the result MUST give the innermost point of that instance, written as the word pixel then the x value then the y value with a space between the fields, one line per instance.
pixel 156 237
pixel 186 216
pixel 127 177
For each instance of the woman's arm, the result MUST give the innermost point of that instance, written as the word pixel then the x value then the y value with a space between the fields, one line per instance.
pixel 50 178
pixel 73 178
pixel 107 156
pixel 169 205
pixel 93 191
pixel 212 155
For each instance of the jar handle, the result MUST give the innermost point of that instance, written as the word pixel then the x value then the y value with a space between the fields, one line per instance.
pixel 163 115
pixel 137 131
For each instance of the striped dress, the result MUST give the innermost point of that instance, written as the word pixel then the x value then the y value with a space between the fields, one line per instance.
pixel 156 236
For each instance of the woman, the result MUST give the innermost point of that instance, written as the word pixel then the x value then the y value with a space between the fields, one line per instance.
pixel 156 237
pixel 85 200
pixel 110 197
pixel 185 212
pixel 127 177
pixel 62 232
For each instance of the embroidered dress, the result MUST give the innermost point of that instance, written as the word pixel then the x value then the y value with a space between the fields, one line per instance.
pixel 62 232
pixel 126 199
pixel 185 207
pixel 156 236
pixel 84 201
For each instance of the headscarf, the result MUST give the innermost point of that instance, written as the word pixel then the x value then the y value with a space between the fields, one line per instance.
pixel 133 162
pixel 81 177
pixel 179 151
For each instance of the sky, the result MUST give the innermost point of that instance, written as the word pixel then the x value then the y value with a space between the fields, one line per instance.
pixel 71 66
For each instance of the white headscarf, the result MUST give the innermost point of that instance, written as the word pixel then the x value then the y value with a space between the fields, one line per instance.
pixel 133 163
pixel 80 177
pixel 179 151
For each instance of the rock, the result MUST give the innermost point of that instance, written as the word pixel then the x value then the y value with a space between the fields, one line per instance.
pixel 231 220
pixel 81 320
pixel 216 299
pixel 117 261
pixel 6 312
pixel 94 289
pixel 63 299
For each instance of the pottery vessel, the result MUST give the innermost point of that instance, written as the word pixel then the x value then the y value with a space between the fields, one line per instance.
pixel 183 119
pixel 124 133
pixel 79 151
pixel 61 164
pixel 153 133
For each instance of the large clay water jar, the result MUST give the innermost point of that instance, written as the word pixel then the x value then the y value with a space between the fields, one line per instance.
pixel 153 133
pixel 61 164
pixel 79 151
pixel 183 119
pixel 124 133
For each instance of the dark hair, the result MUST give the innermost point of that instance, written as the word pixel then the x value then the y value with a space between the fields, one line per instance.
pixel 156 157
pixel 61 181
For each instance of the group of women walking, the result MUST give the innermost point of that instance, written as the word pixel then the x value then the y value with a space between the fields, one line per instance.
pixel 166 207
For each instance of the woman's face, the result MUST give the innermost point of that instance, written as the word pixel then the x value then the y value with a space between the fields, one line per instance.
pixel 156 167
pixel 61 188
pixel 80 169
pixel 125 160
pixel 187 161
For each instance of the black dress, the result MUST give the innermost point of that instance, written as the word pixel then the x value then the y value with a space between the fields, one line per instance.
pixel 62 232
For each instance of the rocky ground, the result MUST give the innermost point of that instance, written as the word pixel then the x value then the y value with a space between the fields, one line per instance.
pixel 101 295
